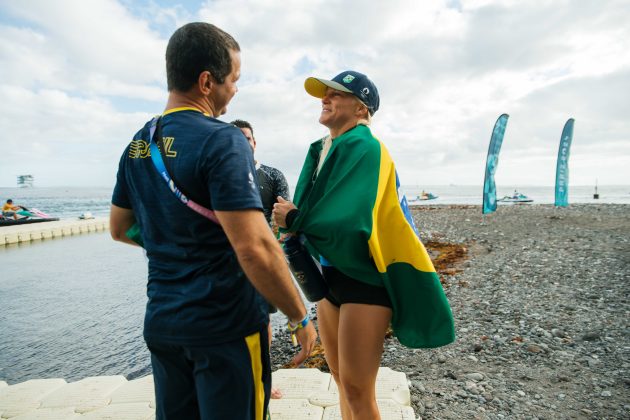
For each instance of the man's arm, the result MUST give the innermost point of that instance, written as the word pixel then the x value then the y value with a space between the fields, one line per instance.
pixel 120 220
pixel 262 260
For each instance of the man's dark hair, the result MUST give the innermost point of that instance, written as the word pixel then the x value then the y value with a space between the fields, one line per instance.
pixel 9 201
pixel 194 48
pixel 243 124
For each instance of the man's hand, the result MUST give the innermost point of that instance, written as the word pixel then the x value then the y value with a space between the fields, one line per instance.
pixel 120 220
pixel 306 338
pixel 280 210
pixel 264 263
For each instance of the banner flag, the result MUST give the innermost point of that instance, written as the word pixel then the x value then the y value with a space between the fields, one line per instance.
pixel 489 188
pixel 562 167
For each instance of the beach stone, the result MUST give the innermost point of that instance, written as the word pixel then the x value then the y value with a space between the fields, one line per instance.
pixel 534 348
pixel 420 408
pixel 591 336
pixel 472 387
pixel 452 375
pixel 475 376
pixel 558 333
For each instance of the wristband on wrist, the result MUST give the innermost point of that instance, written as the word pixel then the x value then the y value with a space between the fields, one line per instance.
pixel 294 327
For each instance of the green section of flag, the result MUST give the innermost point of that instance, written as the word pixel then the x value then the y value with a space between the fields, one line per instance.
pixel 336 209
pixel 336 215
pixel 422 316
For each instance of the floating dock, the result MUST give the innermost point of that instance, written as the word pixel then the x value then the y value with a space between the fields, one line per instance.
pixel 307 394
pixel 20 234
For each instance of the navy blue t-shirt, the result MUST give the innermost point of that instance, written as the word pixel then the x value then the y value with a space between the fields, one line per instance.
pixel 198 293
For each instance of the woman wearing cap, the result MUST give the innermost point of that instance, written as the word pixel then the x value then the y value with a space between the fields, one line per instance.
pixel 376 269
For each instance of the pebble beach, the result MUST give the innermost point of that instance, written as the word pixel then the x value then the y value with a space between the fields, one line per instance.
pixel 540 300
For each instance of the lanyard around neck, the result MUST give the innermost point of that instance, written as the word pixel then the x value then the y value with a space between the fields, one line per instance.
pixel 158 162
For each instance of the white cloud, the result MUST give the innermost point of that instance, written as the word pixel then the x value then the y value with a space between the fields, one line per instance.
pixel 79 78
pixel 78 41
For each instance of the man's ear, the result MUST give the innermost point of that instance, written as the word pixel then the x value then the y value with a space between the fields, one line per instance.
pixel 205 82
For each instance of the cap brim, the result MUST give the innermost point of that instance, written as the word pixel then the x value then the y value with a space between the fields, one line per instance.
pixel 317 87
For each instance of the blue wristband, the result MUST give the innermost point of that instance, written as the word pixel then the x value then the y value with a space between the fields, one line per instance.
pixel 301 324
pixel 293 328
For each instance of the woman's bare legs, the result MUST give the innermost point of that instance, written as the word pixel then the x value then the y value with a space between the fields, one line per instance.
pixel 360 347
pixel 328 323
pixel 353 337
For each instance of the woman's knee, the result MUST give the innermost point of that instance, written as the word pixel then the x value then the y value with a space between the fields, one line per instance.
pixel 356 392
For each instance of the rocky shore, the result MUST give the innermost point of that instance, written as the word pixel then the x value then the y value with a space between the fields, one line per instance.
pixel 540 300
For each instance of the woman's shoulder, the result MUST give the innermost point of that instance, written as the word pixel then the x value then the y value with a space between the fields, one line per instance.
pixel 361 137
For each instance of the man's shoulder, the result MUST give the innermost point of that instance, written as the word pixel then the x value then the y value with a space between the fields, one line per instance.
pixel 200 123
pixel 271 171
pixel 268 168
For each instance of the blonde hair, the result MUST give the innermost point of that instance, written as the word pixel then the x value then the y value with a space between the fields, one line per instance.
pixel 368 118
pixel 326 145
pixel 327 141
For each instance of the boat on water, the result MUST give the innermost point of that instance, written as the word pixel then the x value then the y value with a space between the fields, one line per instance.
pixel 517 197
pixel 26 216
pixel 424 196
pixel 12 222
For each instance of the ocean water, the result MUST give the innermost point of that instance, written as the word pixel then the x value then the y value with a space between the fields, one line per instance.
pixel 458 194
pixel 62 202
pixel 71 202
pixel 73 307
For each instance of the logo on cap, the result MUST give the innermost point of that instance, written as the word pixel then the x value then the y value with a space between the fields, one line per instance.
pixel 348 78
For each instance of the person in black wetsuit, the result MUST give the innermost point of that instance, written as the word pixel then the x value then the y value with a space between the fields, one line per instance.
pixel 271 181
pixel 272 184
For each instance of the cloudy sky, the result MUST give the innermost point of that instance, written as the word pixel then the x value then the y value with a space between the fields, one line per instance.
pixel 78 78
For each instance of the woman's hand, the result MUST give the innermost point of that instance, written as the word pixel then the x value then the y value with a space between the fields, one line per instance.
pixel 280 210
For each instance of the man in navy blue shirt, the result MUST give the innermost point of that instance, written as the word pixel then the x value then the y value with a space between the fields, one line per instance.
pixel 205 322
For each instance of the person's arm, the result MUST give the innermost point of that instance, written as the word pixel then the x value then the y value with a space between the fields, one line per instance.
pixel 262 260
pixel 120 220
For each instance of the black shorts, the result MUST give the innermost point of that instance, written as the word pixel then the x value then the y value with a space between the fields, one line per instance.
pixel 222 381
pixel 343 289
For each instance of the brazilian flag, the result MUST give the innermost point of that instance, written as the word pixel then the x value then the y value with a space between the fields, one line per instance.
pixel 351 216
